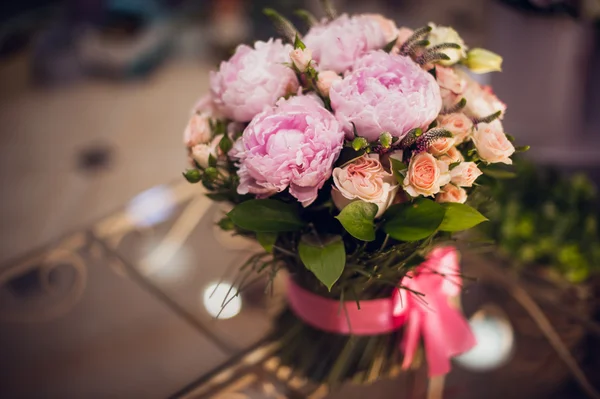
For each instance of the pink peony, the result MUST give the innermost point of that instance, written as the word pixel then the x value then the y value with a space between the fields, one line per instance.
pixel 338 44
pixel 385 92
pixel 364 179
pixel 291 145
pixel 452 193
pixel 492 144
pixel 425 175
pixel 253 79
pixel 452 85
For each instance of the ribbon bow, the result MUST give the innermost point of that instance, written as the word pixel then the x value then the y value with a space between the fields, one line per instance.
pixel 444 329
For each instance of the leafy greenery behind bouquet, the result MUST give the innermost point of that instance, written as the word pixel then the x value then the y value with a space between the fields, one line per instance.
pixel 546 218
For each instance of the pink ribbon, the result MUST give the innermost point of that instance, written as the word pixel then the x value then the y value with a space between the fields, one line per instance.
pixel 444 329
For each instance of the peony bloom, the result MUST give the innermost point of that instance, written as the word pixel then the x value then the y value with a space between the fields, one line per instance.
pixel 253 79
pixel 481 100
pixel 197 130
pixel 425 175
pixel 464 174
pixel 388 26
pixel 451 156
pixel 291 145
pixel 385 93
pixel 452 85
pixel 492 144
pixel 326 79
pixel 452 193
pixel 201 152
pixel 301 58
pixel 441 146
pixel 445 34
pixel 364 179
pixel 338 44
pixel 458 124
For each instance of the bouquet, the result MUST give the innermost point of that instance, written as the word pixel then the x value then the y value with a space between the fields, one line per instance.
pixel 349 153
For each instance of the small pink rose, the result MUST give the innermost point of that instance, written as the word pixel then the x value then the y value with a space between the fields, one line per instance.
pixel 326 79
pixel 197 130
pixel 458 124
pixel 364 179
pixel 441 146
pixel 301 58
pixel 492 144
pixel 481 100
pixel 425 175
pixel 201 152
pixel 205 105
pixel 452 85
pixel 451 156
pixel 464 174
pixel 452 193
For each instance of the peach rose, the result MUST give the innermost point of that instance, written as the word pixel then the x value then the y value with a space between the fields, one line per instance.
pixel 452 85
pixel 481 100
pixel 452 193
pixel 201 152
pixel 441 146
pixel 492 144
pixel 388 27
pixel 326 79
pixel 197 130
pixel 464 174
pixel 364 179
pixel 451 156
pixel 458 124
pixel 301 58
pixel 425 175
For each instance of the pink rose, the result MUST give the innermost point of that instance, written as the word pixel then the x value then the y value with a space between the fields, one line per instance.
pixel 385 93
pixel 364 179
pixel 458 124
pixel 326 79
pixel 441 146
pixel 291 145
pixel 452 85
pixel 452 193
pixel 197 130
pixel 451 156
pixel 388 27
pixel 338 44
pixel 481 100
pixel 201 152
pixel 254 78
pixel 492 144
pixel 205 105
pixel 301 58
pixel 464 174
pixel 425 175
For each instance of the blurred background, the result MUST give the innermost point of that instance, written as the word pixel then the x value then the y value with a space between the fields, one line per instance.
pixel 107 255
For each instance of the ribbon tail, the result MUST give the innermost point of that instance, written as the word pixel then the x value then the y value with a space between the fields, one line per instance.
pixel 446 334
pixel 411 338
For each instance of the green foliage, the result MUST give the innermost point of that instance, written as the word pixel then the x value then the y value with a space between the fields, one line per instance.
pixel 358 218
pixel 266 216
pixel 326 260
pixel 267 240
pixel 460 217
pixel 545 218
pixel 413 221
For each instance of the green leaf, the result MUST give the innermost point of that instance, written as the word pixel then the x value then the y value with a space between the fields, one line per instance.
pixel 267 240
pixel 460 217
pixel 398 168
pixel 298 43
pixel 212 161
pixel 413 221
pixel 358 219
pixel 266 215
pixel 225 144
pixel 498 173
pixel 325 260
